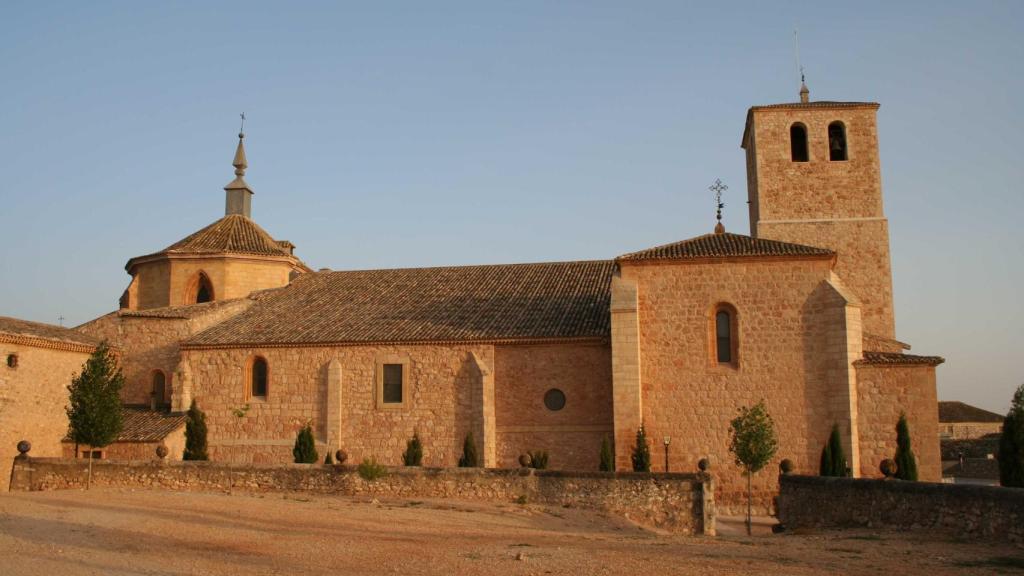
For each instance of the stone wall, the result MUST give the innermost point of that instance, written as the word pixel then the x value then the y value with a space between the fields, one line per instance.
pixel 439 388
pixel 148 344
pixel 688 396
pixel 175 443
pixel 831 204
pixel 968 430
pixel 682 503
pixel 33 397
pixel 170 281
pixel 883 392
pixel 571 436
pixel 979 511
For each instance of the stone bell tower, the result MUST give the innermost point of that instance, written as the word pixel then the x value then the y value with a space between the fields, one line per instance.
pixel 813 178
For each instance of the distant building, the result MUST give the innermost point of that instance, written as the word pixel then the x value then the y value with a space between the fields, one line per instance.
pixel 959 421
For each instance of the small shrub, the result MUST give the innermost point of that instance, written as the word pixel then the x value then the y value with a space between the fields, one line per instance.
pixel 906 463
pixel 833 459
pixel 370 470
pixel 195 434
pixel 607 456
pixel 539 460
pixel 328 460
pixel 641 452
pixel 305 447
pixel 521 499
pixel 413 455
pixel 469 458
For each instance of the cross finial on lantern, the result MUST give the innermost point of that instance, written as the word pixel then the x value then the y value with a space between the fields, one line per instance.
pixel 718 188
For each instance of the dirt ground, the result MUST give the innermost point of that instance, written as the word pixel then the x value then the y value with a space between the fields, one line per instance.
pixel 152 532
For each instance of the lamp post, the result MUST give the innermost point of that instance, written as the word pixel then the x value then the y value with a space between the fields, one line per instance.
pixel 668 440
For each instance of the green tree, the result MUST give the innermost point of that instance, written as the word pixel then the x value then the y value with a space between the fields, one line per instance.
pixel 753 444
pixel 413 455
pixel 468 459
pixel 906 463
pixel 833 459
pixel 1011 443
pixel 305 447
pixel 195 434
pixel 641 452
pixel 607 456
pixel 94 403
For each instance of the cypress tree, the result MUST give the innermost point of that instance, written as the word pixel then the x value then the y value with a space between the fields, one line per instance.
pixel 1011 443
pixel 94 397
pixel 413 455
pixel 305 447
pixel 641 452
pixel 195 434
pixel 607 456
pixel 906 464
pixel 833 459
pixel 468 459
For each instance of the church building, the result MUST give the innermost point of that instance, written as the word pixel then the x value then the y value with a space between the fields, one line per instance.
pixel 556 356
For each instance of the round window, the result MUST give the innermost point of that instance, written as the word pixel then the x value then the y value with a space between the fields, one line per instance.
pixel 554 399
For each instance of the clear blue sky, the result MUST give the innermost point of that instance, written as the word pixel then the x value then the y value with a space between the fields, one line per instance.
pixel 419 134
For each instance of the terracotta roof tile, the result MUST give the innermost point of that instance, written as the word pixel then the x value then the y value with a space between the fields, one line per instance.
pixel 14 327
pixel 183 312
pixel 467 303
pixel 960 412
pixel 145 425
pixel 725 245
pixel 233 233
pixel 816 104
pixel 892 358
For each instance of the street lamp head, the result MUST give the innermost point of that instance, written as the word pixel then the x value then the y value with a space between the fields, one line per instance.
pixel 668 440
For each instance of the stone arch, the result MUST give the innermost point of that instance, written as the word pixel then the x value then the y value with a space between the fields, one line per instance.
pixel 837 150
pixel 199 289
pixel 798 149
pixel 724 335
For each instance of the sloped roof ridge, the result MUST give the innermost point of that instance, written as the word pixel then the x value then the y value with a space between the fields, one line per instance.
pixel 724 245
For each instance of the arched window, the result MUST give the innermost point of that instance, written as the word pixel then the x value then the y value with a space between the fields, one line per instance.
pixel 798 143
pixel 159 387
pixel 836 141
pixel 724 335
pixel 258 373
pixel 204 289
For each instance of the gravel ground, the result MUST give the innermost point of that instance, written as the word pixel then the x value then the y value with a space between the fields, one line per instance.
pixel 106 531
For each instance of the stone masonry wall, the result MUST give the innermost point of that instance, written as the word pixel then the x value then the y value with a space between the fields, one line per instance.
pixel 167 282
pixel 439 386
pixel 571 436
pixel 691 398
pixel 682 503
pixel 33 397
pixel 884 392
pixel 831 204
pixel 148 344
pixel 175 443
pixel 984 512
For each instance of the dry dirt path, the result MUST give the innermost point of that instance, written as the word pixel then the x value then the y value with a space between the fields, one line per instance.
pixel 152 532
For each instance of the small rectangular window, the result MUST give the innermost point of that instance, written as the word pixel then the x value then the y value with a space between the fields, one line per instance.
pixel 392 389
pixel 12 360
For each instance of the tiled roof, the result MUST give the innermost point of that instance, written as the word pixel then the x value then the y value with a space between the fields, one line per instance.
pixel 232 234
pixel 183 312
pixel 725 245
pixel 455 304
pixel 892 358
pixel 960 412
pixel 816 104
pixel 15 328
pixel 145 425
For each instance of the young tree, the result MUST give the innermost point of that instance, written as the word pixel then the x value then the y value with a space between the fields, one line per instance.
pixel 833 459
pixel 413 455
pixel 753 444
pixel 906 463
pixel 1011 443
pixel 305 447
pixel 607 456
pixel 94 410
pixel 195 434
pixel 468 459
pixel 641 452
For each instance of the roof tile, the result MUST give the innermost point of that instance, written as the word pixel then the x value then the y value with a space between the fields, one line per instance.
pixel 465 303
pixel 724 245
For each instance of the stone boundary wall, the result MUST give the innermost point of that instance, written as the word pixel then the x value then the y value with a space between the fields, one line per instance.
pixel 682 503
pixel 989 512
